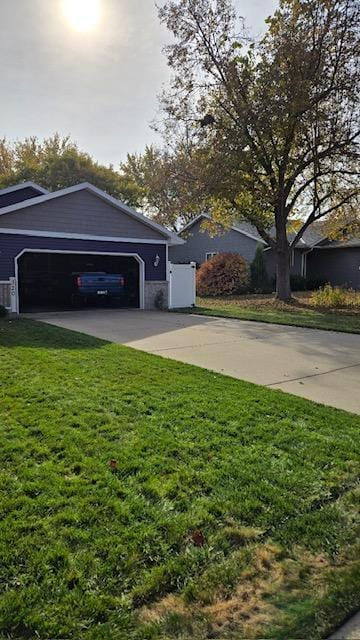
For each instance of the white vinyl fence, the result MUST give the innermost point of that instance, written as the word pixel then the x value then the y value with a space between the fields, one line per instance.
pixel 182 285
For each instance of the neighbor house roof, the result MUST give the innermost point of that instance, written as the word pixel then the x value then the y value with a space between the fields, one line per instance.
pixel 244 228
pixel 340 244
pixel 172 238
pixel 311 237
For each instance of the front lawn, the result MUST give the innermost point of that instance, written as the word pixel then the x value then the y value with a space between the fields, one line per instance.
pixel 264 308
pixel 228 511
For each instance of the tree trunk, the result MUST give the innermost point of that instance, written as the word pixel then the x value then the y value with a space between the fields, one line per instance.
pixel 283 288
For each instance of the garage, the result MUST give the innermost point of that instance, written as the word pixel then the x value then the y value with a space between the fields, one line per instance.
pixel 49 281
pixel 79 247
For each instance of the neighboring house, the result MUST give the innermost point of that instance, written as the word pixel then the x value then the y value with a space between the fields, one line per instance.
pixel 75 229
pixel 314 257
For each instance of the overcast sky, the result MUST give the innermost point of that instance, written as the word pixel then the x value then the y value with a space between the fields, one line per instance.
pixel 99 86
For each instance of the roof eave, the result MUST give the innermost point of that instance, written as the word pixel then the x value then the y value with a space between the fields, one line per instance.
pixel 169 236
pixel 24 185
pixel 232 228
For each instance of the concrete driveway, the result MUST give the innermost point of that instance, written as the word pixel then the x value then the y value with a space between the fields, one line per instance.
pixel 321 365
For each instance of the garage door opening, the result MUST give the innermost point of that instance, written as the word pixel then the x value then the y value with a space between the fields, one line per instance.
pixel 53 281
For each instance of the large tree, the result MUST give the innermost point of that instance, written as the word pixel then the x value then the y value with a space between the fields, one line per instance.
pixel 171 181
pixel 275 124
pixel 56 163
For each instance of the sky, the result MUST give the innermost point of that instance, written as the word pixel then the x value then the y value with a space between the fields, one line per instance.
pixel 99 86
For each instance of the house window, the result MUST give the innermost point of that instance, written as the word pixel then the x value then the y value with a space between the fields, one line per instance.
pixel 292 258
pixel 210 254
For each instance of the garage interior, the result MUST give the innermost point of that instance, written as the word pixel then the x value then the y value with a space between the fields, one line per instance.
pixel 45 280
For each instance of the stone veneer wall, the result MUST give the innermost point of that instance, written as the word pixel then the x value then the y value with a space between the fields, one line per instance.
pixel 151 289
pixel 5 298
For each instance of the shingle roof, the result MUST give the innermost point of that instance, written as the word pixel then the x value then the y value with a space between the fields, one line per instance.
pixel 340 244
pixel 311 236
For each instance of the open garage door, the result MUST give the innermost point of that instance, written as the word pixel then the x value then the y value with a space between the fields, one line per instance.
pixel 49 280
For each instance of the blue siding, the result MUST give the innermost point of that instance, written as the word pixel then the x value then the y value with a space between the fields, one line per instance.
pixel 13 197
pixel 270 262
pixel 338 266
pixel 198 243
pixel 12 245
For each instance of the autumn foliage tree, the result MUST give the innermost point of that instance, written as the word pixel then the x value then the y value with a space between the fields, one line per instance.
pixel 170 181
pixel 275 124
pixel 56 163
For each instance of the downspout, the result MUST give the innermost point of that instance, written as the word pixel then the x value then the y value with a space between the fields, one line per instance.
pixel 304 256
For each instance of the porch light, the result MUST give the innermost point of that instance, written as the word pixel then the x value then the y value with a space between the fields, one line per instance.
pixel 157 260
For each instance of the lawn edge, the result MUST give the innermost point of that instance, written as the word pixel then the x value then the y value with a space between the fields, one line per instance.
pixel 206 311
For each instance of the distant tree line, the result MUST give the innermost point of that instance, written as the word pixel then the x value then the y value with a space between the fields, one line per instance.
pixel 57 162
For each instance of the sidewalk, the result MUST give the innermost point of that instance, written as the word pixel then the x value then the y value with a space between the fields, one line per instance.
pixel 350 630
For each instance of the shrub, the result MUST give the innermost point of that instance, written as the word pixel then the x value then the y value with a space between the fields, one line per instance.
pixel 314 283
pixel 3 311
pixel 223 274
pixel 260 282
pixel 298 283
pixel 336 297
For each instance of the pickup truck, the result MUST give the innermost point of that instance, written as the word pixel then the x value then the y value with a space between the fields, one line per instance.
pixel 97 285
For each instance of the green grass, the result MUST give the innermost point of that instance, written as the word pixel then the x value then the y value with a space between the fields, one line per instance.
pixel 267 480
pixel 298 317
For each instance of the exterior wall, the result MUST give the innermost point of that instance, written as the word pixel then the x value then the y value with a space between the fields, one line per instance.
pixel 270 262
pixel 5 298
pixel 338 266
pixel 80 212
pixel 19 195
pixel 199 243
pixel 151 291
pixel 12 245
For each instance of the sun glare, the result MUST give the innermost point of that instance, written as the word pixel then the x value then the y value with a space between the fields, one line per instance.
pixel 83 15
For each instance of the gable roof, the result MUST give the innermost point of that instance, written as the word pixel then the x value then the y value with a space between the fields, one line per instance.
pixel 312 237
pixel 244 228
pixel 171 237
pixel 23 185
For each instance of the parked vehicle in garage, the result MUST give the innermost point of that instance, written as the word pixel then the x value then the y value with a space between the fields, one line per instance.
pixel 98 285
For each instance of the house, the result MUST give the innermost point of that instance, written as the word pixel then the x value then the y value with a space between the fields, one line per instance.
pixel 81 228
pixel 315 257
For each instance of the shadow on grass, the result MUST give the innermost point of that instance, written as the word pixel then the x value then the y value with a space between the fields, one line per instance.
pixel 19 332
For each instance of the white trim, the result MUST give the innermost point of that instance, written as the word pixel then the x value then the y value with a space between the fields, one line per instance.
pixel 86 186
pixel 78 236
pixel 192 222
pixel 232 228
pixel 167 263
pixel 210 253
pixel 93 253
pixel 303 264
pixel 23 185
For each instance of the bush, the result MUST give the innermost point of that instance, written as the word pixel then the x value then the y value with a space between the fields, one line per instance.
pixel 299 283
pixel 315 283
pixel 335 297
pixel 260 282
pixel 3 311
pixel 223 274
